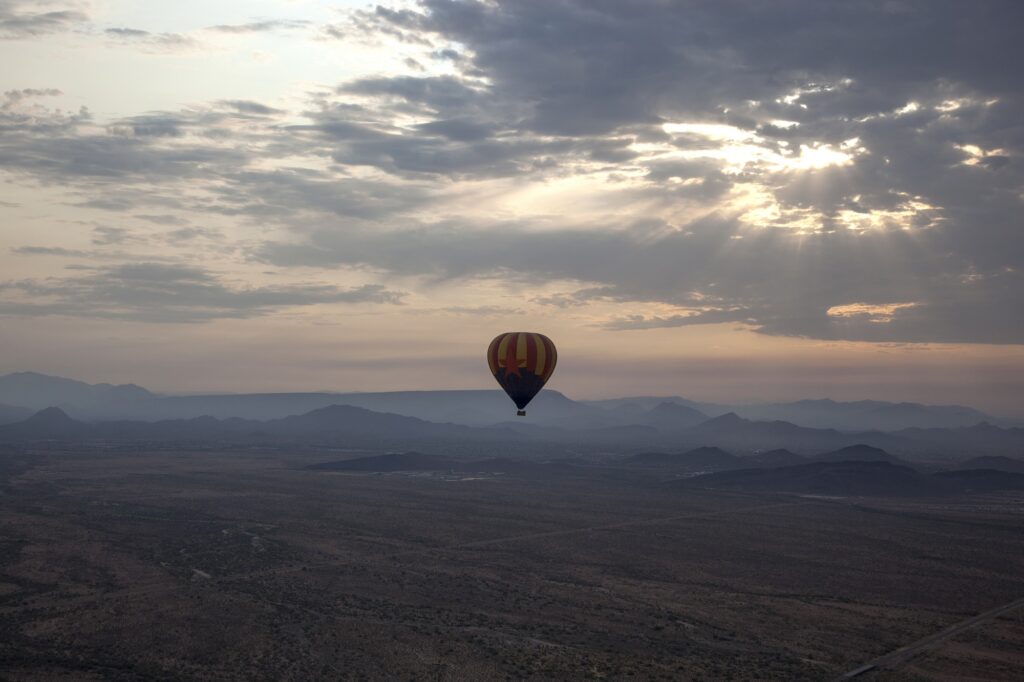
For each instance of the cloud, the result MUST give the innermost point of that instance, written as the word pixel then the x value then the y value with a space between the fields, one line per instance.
pixel 483 310
pixel 701 163
pixel 155 42
pixel 12 97
pixel 633 322
pixel 48 251
pixel 250 107
pixel 21 19
pixel 333 32
pixel 187 234
pixel 161 292
pixel 703 269
pixel 105 236
pixel 262 26
pixel 163 219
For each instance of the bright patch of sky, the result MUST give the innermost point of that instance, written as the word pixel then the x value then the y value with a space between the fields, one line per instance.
pixel 279 66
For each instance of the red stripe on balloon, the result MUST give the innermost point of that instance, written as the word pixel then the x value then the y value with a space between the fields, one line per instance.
pixel 531 352
pixel 511 358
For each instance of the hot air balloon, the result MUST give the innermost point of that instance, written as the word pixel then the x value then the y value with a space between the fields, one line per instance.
pixel 521 362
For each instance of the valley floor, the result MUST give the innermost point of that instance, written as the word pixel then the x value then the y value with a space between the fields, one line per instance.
pixel 241 565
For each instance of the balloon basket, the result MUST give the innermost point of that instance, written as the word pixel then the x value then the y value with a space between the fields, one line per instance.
pixel 520 413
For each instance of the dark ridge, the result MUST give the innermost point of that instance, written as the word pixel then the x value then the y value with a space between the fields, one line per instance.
pixel 727 420
pixel 698 459
pixel 858 478
pixel 397 461
pixel 51 417
pixel 978 481
pixel 417 461
pixel 516 466
pixel 993 462
pixel 48 423
pixel 773 459
pixel 858 453
pixel 843 478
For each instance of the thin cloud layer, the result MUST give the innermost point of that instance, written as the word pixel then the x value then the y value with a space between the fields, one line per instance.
pixel 160 292
pixel 260 26
pixel 157 42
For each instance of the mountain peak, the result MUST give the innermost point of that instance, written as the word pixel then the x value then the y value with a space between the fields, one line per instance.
pixel 50 416
pixel 858 453
pixel 706 451
pixel 36 391
pixel 727 419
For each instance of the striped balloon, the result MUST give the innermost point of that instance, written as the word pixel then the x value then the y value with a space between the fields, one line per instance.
pixel 521 362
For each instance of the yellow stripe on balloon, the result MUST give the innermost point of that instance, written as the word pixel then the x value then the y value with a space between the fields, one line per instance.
pixel 492 361
pixel 503 349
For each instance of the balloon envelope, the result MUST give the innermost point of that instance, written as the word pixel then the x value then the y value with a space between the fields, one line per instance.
pixel 521 362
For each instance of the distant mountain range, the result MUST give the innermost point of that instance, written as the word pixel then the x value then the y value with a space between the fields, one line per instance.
pixel 996 463
pixel 34 391
pixel 858 453
pixel 29 390
pixel 337 422
pixel 637 424
pixel 849 469
pixel 769 442
pixel 699 459
pixel 861 415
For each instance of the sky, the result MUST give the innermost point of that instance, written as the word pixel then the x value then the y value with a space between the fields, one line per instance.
pixel 731 201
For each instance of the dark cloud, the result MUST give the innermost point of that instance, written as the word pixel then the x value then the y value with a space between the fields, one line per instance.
pixel 115 158
pixel 403 25
pixel 292 197
pixel 594 66
pixel 67 147
pixel 456 129
pixel 840 71
pixel 437 94
pixel 160 292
